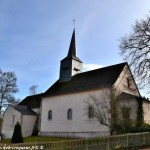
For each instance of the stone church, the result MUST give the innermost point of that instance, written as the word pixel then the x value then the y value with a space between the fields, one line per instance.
pixel 59 111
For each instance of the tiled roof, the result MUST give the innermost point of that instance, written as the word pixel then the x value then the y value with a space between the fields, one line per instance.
pixel 33 101
pixel 24 110
pixel 95 79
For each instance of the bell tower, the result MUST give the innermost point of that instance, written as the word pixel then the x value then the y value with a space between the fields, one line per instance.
pixel 71 64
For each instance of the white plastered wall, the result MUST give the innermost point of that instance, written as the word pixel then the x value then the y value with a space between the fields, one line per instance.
pixel 80 122
pixel 11 116
pixel 28 123
pixel 146 109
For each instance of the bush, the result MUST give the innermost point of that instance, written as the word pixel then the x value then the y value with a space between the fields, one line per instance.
pixel 17 135
pixel 35 132
pixel 138 130
pixel 117 147
pixel 146 125
pixel 1 122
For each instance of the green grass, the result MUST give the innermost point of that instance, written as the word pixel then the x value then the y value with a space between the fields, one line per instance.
pixel 37 139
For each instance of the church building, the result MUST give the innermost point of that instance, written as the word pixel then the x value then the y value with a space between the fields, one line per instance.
pixel 60 110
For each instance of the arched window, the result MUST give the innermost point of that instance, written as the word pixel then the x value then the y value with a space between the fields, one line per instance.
pixel 69 114
pixel 91 112
pixel 50 115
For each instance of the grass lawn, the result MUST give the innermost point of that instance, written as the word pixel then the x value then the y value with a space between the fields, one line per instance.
pixel 37 139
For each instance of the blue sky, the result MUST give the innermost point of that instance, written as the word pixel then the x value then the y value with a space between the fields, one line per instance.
pixel 35 35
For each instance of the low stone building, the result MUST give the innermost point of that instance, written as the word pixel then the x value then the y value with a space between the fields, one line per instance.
pixel 25 116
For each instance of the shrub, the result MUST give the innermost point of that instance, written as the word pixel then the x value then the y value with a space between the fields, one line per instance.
pixel 35 132
pixel 117 147
pixel 146 125
pixel 17 135
pixel 1 122
pixel 138 130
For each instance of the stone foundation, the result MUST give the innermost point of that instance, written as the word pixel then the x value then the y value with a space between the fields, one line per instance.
pixel 74 134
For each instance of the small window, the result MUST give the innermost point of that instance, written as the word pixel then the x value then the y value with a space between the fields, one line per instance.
pixel 128 82
pixel 69 114
pixel 91 112
pixel 50 115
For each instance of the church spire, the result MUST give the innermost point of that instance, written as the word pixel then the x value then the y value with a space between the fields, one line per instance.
pixel 71 64
pixel 72 48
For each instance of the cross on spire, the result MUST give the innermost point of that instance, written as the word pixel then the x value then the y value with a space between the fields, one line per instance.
pixel 74 22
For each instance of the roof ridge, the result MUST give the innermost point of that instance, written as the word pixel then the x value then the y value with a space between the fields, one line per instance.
pixel 24 110
pixel 101 68
pixel 34 95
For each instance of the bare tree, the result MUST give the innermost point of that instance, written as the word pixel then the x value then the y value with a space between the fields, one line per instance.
pixel 16 101
pixel 33 90
pixel 104 105
pixel 135 48
pixel 108 110
pixel 7 89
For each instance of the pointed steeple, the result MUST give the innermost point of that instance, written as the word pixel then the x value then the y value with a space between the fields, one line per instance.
pixel 71 64
pixel 72 47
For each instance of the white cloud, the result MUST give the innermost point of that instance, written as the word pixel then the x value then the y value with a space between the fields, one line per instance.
pixel 87 67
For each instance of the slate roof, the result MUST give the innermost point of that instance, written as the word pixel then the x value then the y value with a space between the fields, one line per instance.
pixel 127 96
pixel 95 79
pixel 24 110
pixel 33 101
pixel 72 49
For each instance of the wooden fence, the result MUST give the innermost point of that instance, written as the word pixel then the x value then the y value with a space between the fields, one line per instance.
pixel 103 143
